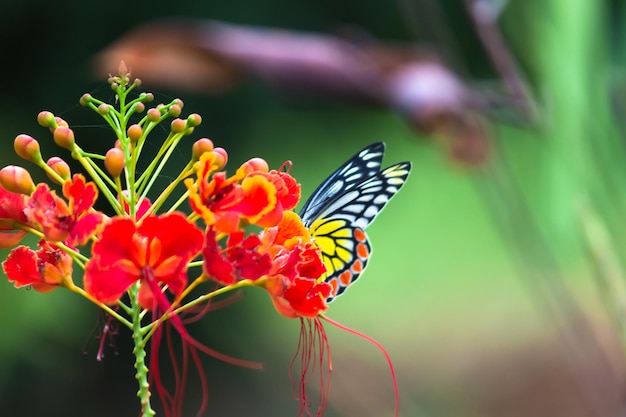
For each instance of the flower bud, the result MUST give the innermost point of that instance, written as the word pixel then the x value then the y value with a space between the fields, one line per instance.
pixel 194 120
pixel 114 162
pixel 146 97
pixel 64 137
pixel 104 109
pixel 134 133
pixel 178 125
pixel 46 119
pixel 201 146
pixel 255 164
pixel 85 99
pixel 17 180
pixel 140 107
pixel 60 167
pixel 222 157
pixel 137 82
pixel 27 148
pixel 175 110
pixel 59 122
pixel 154 115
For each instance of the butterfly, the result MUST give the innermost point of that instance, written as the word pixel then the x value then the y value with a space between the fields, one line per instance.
pixel 346 203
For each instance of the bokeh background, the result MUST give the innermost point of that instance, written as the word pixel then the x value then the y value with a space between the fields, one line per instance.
pixel 495 288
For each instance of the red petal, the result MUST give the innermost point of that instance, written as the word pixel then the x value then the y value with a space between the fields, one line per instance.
pixel 21 267
pixel 107 283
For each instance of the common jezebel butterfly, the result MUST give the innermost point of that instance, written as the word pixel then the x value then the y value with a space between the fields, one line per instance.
pixel 344 205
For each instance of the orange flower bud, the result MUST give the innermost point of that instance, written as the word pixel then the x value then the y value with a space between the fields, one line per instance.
pixel 222 157
pixel 27 148
pixel 178 126
pixel 255 164
pixel 64 137
pixel 201 146
pixel 60 167
pixel 134 133
pixel 59 122
pixel 114 162
pixel 17 180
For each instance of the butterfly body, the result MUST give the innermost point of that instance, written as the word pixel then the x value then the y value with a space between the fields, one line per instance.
pixel 344 205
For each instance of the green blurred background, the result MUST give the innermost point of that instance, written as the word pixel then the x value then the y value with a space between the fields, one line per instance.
pixel 480 286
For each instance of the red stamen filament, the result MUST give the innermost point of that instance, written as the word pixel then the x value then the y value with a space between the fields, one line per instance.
pixel 381 348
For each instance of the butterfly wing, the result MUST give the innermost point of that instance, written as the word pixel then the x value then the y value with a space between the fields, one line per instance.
pixel 361 204
pixel 345 251
pixel 354 171
pixel 343 206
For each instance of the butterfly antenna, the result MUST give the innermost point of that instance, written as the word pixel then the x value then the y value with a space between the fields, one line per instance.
pixel 382 350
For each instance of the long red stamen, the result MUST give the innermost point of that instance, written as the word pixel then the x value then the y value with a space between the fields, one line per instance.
pixel 381 348
pixel 172 404
pixel 313 350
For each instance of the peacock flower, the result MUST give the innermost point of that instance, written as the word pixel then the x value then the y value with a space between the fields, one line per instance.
pixel 73 222
pixel 251 196
pixel 44 270
pixel 155 251
pixel 293 282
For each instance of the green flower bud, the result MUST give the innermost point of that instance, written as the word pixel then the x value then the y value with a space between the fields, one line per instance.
pixel 46 119
pixel 194 120
pixel 104 109
pixel 85 99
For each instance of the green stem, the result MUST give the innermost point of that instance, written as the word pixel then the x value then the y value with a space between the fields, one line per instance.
pixel 140 357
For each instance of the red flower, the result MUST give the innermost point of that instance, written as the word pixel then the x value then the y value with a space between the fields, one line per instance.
pixel 45 269
pixel 242 258
pixel 12 207
pixel 155 251
pixel 253 196
pixel 287 196
pixel 293 282
pixel 74 223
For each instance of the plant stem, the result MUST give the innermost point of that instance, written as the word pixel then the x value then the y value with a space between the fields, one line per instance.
pixel 140 357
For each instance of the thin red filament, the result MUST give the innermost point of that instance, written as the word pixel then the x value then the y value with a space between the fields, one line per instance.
pixel 381 348
pixel 313 352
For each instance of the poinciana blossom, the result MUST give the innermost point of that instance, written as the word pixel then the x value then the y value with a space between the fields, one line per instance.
pixel 75 221
pixel 44 270
pixel 155 251
pixel 252 195
pixel 294 279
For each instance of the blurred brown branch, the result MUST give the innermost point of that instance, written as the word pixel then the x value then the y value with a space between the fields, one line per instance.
pixel 209 57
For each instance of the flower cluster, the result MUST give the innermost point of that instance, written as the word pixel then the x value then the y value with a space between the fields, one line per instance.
pixel 137 257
